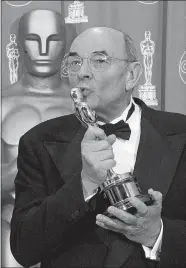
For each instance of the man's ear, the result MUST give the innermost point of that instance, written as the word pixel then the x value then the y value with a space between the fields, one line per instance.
pixel 133 75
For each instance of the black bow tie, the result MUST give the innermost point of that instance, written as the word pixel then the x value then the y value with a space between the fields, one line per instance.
pixel 121 129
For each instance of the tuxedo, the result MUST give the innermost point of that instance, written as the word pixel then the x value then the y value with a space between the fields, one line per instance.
pixel 53 224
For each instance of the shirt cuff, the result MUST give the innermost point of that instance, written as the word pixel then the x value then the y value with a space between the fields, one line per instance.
pixel 90 196
pixel 152 253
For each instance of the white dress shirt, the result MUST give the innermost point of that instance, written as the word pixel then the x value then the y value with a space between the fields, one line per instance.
pixel 125 152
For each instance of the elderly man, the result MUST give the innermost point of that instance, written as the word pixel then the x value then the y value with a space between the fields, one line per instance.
pixel 58 218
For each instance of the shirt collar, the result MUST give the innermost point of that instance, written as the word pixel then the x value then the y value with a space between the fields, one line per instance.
pixel 123 116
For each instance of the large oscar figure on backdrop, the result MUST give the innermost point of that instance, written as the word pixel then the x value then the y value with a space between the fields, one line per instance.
pixel 39 95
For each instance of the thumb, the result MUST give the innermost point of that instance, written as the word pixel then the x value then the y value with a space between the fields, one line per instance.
pixel 94 133
pixel 111 139
pixel 157 196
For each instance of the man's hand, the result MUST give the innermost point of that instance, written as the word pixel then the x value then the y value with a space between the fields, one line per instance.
pixel 97 157
pixel 143 227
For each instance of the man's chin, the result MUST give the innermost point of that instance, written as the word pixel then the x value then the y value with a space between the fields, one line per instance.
pixel 92 103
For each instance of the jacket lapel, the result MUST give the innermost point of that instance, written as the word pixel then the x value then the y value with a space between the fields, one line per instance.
pixel 67 155
pixel 157 158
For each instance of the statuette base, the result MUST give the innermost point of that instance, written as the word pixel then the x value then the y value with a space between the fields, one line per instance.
pixel 76 20
pixel 147 93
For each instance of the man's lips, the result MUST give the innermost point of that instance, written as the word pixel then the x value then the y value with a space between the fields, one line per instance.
pixel 85 91
pixel 83 87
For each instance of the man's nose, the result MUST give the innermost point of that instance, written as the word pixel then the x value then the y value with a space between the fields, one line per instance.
pixel 85 71
pixel 43 50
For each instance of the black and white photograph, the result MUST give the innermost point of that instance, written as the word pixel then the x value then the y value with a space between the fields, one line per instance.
pixel 93 134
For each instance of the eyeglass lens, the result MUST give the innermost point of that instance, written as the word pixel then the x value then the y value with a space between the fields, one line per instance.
pixel 96 62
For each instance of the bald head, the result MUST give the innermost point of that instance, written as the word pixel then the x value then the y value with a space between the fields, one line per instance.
pixel 99 39
pixel 116 41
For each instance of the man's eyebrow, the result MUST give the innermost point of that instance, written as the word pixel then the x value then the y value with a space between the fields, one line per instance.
pixel 101 52
pixel 71 53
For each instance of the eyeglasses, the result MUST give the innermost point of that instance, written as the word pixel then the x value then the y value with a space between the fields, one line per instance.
pixel 97 62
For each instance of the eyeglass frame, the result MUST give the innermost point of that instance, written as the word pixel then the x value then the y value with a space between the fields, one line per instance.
pixel 111 59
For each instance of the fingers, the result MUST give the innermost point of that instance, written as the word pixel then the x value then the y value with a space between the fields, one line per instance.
pixel 142 209
pixel 108 223
pixel 108 164
pixel 111 139
pixel 157 197
pixel 122 215
pixel 94 133
pixel 114 225
pixel 106 154
pixel 101 145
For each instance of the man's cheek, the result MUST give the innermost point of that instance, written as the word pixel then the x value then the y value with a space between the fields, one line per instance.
pixel 73 81
pixel 106 86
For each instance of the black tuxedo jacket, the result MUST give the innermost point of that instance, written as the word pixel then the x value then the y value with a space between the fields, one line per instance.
pixel 52 223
